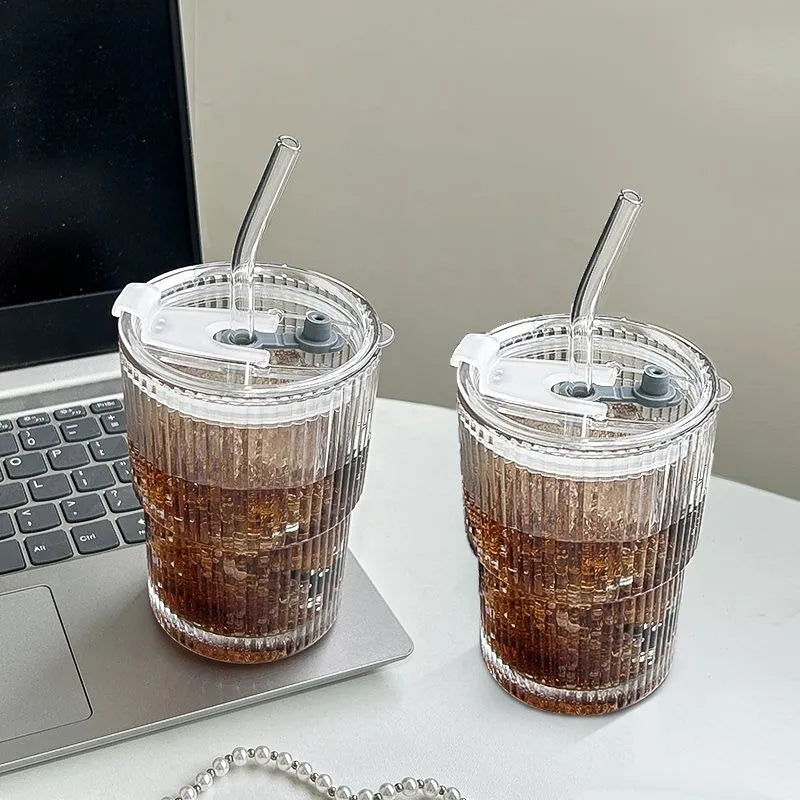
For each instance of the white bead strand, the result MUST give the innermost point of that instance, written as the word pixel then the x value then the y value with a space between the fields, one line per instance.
pixel 303 772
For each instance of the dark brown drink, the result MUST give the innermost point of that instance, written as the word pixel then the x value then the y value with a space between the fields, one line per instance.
pixel 565 620
pixel 248 451
pixel 248 563
pixel 247 525
pixel 584 491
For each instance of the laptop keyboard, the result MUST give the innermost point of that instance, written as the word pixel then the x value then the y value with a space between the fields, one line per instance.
pixel 65 485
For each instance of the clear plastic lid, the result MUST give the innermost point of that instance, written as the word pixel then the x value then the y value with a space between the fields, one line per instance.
pixel 515 379
pixel 312 332
pixel 244 342
pixel 579 384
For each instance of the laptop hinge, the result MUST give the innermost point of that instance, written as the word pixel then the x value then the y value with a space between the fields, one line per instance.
pixel 60 383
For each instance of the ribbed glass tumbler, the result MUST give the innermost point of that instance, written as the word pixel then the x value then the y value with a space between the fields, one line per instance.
pixel 247 483
pixel 582 538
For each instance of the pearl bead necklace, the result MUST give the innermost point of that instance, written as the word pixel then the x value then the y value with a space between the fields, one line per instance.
pixel 303 772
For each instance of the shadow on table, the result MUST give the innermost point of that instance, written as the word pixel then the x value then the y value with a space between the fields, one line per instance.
pixel 464 686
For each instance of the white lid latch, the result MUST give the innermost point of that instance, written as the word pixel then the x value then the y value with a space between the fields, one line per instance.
pixel 526 381
pixel 191 331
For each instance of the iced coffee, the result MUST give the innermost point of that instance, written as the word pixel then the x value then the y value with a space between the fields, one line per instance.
pixel 249 390
pixel 248 469
pixel 586 448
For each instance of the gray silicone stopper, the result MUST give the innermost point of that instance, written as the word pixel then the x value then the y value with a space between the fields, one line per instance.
pixel 655 381
pixel 655 388
pixel 317 334
pixel 317 327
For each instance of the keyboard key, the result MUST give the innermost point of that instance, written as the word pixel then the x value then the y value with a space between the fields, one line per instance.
pixel 11 558
pixel 95 537
pixel 5 425
pixel 71 412
pixel 80 430
pixel 40 437
pixel 30 420
pixel 92 478
pixel 68 457
pixel 132 528
pixel 8 444
pixel 49 487
pixel 48 547
pixel 37 518
pixel 12 494
pixel 123 470
pixel 6 526
pixel 25 466
pixel 109 449
pixel 101 406
pixel 122 499
pixel 83 508
pixel 114 423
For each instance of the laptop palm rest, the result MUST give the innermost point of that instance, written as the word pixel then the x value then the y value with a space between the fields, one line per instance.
pixel 137 679
pixel 41 685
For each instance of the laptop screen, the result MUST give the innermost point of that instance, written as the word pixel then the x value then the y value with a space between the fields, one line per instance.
pixel 96 185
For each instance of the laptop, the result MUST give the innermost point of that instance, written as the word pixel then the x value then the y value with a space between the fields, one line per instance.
pixel 97 190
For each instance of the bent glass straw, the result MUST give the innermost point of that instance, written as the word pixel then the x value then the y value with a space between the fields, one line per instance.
pixel 259 213
pixel 608 247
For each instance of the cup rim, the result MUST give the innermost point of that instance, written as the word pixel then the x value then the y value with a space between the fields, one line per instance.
pixel 139 355
pixel 475 404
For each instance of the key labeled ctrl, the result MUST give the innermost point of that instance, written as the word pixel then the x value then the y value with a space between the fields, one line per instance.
pixel 95 537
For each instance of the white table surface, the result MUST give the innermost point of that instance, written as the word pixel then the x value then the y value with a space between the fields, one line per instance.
pixel 724 726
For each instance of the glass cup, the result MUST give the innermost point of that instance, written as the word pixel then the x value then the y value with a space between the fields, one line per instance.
pixel 583 528
pixel 248 473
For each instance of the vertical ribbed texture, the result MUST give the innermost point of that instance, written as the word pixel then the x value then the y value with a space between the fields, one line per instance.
pixel 581 577
pixel 247 527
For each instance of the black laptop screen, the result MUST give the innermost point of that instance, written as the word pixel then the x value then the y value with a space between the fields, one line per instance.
pixel 95 172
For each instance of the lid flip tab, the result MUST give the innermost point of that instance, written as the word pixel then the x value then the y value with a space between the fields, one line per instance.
pixel 528 382
pixel 190 331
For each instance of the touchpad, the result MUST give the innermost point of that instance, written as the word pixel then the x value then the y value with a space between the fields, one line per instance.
pixel 41 688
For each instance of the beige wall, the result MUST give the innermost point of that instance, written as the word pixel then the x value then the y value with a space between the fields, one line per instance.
pixel 460 158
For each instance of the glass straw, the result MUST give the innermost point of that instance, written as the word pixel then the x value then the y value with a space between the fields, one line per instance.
pixel 608 247
pixel 255 222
